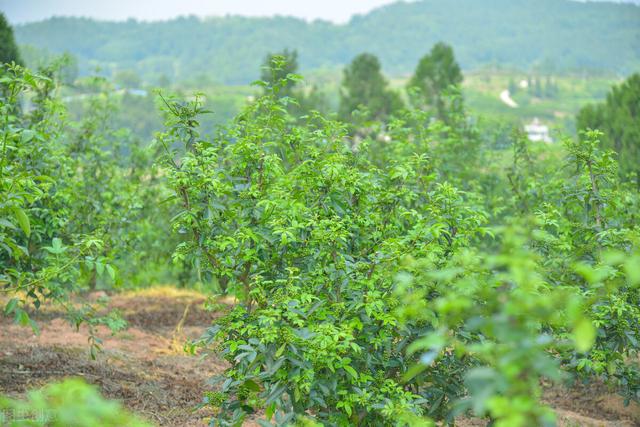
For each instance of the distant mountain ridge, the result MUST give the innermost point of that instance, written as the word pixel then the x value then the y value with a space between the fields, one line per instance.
pixel 550 34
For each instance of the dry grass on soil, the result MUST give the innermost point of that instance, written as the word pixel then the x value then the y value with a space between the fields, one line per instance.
pixel 145 367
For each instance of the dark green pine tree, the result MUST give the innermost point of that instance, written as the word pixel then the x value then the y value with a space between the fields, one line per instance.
pixel 363 85
pixel 8 48
pixel 436 72
pixel 619 118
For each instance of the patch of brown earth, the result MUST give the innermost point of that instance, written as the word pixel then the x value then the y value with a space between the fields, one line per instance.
pixel 591 405
pixel 143 366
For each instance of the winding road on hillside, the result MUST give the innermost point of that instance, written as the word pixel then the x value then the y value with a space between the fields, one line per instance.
pixel 505 96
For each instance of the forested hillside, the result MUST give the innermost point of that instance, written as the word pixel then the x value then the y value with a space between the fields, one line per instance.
pixel 554 35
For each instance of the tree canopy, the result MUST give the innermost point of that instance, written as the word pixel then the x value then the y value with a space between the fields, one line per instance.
pixel 363 85
pixel 435 73
pixel 619 118
pixel 287 62
pixel 8 48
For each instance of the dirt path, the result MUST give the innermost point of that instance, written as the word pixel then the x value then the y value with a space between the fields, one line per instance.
pixel 145 366
pixel 505 97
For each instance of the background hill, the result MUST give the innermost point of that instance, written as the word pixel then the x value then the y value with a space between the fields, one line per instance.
pixel 548 35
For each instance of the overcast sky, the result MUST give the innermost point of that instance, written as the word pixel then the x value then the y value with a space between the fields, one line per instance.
pixel 19 11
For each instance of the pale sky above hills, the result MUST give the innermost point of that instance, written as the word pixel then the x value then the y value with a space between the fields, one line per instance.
pixel 20 11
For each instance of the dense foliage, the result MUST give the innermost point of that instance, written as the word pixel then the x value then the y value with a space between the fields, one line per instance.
pixel 558 35
pixel 434 75
pixel 8 48
pixel 619 118
pixel 394 282
pixel 365 88
pixel 36 185
pixel 79 202
pixel 289 67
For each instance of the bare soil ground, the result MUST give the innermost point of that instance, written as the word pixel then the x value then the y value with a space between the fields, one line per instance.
pixel 146 368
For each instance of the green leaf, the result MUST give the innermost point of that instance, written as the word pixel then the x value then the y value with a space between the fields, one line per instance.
pixel 11 306
pixel 23 220
pixel 347 409
pixel 632 269
pixel 584 335
pixel 34 327
pixel 22 317
pixel 111 271
pixel 252 385
pixel 414 371
pixel 351 371
pixel 99 268
pixel 269 411
pixel 27 135
pixel 56 247
pixel 280 350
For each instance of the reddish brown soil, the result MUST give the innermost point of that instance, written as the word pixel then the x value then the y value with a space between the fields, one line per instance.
pixel 146 368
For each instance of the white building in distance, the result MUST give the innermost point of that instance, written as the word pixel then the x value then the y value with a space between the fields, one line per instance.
pixel 536 131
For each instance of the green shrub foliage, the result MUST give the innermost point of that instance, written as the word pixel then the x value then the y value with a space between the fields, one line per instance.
pixel 404 280
pixel 79 202
pixel 40 260
pixel 9 51
pixel 435 73
pixel 619 118
pixel 395 271
pixel 71 402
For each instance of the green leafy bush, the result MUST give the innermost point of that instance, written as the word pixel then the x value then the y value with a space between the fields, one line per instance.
pixel 80 203
pixel 71 402
pixel 39 260
pixel 394 281
pixel 404 275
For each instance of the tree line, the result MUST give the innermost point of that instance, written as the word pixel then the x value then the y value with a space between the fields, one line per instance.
pixel 550 36
pixel 365 91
